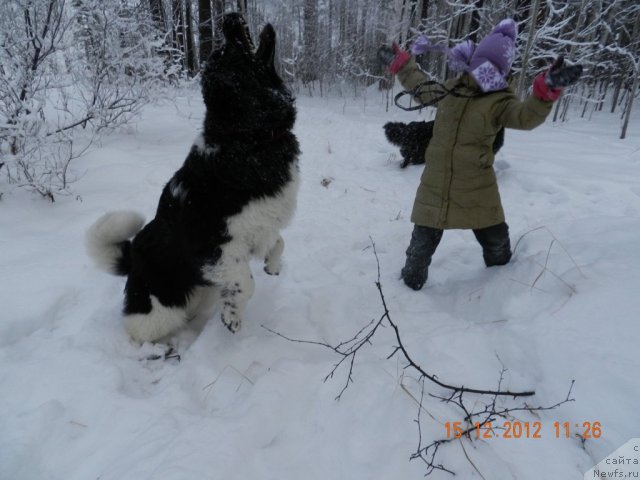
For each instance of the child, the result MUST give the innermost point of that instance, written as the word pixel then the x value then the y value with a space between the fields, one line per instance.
pixel 458 188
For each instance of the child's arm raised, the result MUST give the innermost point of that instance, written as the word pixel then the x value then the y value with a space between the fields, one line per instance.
pixel 402 64
pixel 547 88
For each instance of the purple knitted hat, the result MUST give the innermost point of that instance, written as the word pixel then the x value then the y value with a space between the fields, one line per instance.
pixel 492 59
pixel 488 63
pixel 459 56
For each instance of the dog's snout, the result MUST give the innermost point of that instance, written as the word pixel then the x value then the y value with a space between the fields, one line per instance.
pixel 235 30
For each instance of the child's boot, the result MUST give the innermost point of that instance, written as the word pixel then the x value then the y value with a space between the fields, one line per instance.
pixel 496 247
pixel 424 241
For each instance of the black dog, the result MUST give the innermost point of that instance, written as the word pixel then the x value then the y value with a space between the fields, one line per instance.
pixel 235 191
pixel 413 139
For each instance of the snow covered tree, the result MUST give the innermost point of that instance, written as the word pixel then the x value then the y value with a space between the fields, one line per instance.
pixel 71 68
pixel 67 72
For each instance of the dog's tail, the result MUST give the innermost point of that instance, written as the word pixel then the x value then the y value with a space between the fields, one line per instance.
pixel 107 240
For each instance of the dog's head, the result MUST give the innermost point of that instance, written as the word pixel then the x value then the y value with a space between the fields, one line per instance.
pixel 241 88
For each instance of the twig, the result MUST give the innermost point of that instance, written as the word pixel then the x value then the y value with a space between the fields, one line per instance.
pixel 347 349
pixel 532 287
pixel 469 460
pixel 82 122
pixel 544 227
pixel 400 347
pixel 569 286
pixel 546 262
pixel 417 402
pixel 457 395
pixel 212 384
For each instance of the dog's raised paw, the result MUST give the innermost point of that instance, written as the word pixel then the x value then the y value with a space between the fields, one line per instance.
pixel 231 321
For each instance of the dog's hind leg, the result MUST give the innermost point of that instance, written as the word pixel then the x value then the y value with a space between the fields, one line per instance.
pixel 272 263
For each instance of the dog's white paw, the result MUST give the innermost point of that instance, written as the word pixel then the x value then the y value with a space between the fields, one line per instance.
pixel 231 320
pixel 272 268
pixel 272 263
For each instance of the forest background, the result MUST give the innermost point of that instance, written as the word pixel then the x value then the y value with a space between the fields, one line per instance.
pixel 71 70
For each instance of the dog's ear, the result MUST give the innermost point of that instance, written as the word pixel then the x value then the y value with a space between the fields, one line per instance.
pixel 235 30
pixel 267 49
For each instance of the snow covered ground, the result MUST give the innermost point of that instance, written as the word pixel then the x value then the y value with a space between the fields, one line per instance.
pixel 81 401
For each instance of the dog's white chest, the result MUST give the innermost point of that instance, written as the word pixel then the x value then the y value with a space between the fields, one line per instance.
pixel 256 227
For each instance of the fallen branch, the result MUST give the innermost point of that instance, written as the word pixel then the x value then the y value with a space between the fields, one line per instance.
pixel 474 419
pixel 348 350
pixel 489 415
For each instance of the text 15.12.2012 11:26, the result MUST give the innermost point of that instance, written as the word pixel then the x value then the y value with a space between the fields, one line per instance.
pixel 517 430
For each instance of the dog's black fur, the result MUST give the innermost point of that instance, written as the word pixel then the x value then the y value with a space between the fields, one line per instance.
pixel 413 139
pixel 202 236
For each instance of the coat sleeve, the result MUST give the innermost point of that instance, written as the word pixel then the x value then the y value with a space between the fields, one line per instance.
pixel 510 112
pixel 411 76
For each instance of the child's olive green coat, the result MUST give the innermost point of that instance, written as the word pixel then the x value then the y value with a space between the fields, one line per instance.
pixel 458 188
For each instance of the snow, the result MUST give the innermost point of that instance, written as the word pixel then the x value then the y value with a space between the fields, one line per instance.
pixel 82 401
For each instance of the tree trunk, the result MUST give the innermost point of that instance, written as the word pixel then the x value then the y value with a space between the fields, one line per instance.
pixel 178 29
pixel 444 63
pixel 205 30
pixel 527 51
pixel 475 20
pixel 629 106
pixel 218 12
pixel 309 65
pixel 424 11
pixel 572 50
pixel 191 52
pixel 157 15
pixel 616 93
pixel 635 68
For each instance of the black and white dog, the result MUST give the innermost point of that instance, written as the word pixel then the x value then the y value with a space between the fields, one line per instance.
pixel 236 189
pixel 413 139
